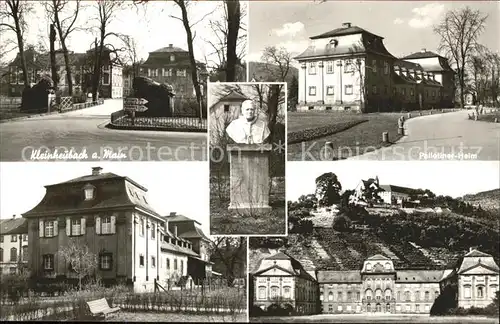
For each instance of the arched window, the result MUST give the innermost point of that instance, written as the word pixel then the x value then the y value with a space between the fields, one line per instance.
pixel 368 266
pixel 417 295
pixel 379 308
pixel 368 307
pixel 339 296
pixel 407 295
pixel 436 294
pixel 480 292
pixel 378 294
pixel 368 282
pixel 387 266
pixel 262 292
pixel 388 294
pixel 368 294
pixel 13 254
pixel 388 308
pixel 330 296
pixel 427 295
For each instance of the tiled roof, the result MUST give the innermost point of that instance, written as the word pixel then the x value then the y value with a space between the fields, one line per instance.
pixel 179 218
pixel 339 276
pixel 419 275
pixel 343 31
pixel 399 189
pixel 13 226
pixel 424 54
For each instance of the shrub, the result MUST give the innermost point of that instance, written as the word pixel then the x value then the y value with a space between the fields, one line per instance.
pixel 310 134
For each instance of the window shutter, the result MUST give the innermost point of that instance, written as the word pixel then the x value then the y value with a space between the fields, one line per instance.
pixel 56 228
pixel 83 225
pixel 113 224
pixel 40 228
pixel 98 225
pixel 68 226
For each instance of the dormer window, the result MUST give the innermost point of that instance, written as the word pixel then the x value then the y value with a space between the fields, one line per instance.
pixel 172 58
pixel 89 191
pixel 368 266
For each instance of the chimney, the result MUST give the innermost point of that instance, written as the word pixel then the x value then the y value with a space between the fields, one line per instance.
pixel 346 25
pixel 175 230
pixel 424 50
pixel 170 45
pixel 96 170
pixel 14 216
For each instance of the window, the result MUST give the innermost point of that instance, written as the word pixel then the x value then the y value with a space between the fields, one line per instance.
pixel 348 66
pixel 25 237
pixel 374 89
pixel 378 294
pixel 348 91
pixel 153 262
pixel 172 58
pixel 181 73
pixel 349 295
pixel 436 294
pixel 25 253
pixel 339 308
pixel 394 91
pixel 106 261
pixel 226 108
pixel 417 295
pixel 417 308
pixel 480 292
pixel 321 295
pixel 408 308
pixel 262 292
pixel 153 231
pixel 141 260
pixel 48 262
pixel 330 308
pixel 106 225
pixel 330 90
pixel 274 292
pixel 368 294
pixel 49 229
pixel 330 296
pixel 142 226
pixel 1 255
pixel 387 266
pixel 168 263
pixel 427 295
pixel 89 192
pixel 386 68
pixel 329 67
pixel 388 294
pixel 105 79
pixel 13 238
pixel 312 91
pixel 312 68
pixel 433 94
pixel 76 227
pixel 358 296
pixel 339 296
pixel 368 307
pixel 407 296
pixel 286 292
pixel 175 264
pixel 374 66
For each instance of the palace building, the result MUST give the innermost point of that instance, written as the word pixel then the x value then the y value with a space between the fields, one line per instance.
pixel 349 68
pixel 375 288
pixel 13 244
pixel 111 215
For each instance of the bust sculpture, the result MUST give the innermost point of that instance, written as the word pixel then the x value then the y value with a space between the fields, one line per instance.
pixel 249 128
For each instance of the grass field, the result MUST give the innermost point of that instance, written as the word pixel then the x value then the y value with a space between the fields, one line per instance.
pixel 224 222
pixel 369 318
pixel 357 133
pixel 176 318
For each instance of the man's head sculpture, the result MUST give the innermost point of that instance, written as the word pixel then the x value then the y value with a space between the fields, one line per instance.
pixel 248 128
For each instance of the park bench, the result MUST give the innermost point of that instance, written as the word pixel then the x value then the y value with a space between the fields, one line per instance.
pixel 100 307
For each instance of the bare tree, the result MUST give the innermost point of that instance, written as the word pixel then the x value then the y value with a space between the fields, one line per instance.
pixel 459 32
pixel 64 23
pixel 231 251
pixel 233 27
pixel 131 54
pixel 277 63
pixel 80 260
pixel 13 17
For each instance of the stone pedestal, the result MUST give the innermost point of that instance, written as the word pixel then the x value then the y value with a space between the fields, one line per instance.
pixel 249 177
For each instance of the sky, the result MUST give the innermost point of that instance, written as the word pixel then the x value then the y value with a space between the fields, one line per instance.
pixel 453 178
pixel 172 186
pixel 149 24
pixel 405 25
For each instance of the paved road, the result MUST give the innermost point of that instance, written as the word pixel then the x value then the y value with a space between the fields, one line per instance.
pixel 451 135
pixel 84 131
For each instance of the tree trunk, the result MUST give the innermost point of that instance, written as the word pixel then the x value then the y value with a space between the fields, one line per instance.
pixel 53 68
pixel 20 44
pixel 96 77
pixel 68 69
pixel 272 107
pixel 192 61
pixel 233 27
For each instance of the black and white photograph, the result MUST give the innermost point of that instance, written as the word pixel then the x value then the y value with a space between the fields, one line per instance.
pixel 247 158
pixel 114 80
pixel 118 241
pixel 383 80
pixel 385 242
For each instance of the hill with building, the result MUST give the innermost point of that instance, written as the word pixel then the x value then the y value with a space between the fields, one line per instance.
pixel 263 72
pixel 488 200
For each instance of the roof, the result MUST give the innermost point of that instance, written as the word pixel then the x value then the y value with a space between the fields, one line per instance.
pixel 279 256
pixel 419 275
pixel 101 176
pixel 339 276
pixel 378 257
pixel 13 226
pixel 196 233
pixel 474 258
pixel 169 49
pixel 233 96
pixel 177 249
pixel 343 31
pixel 179 218
pixel 38 60
pixel 422 54
pixel 398 189
pixel 476 253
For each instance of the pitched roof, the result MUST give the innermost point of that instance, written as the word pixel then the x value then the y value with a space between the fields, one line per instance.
pixel 419 275
pixel 339 276
pixel 399 189
pixel 474 258
pixel 476 253
pixel 234 96
pixel 101 176
pixel 421 54
pixel 13 226
pixel 179 218
pixel 378 257
pixel 196 233
pixel 343 31
pixel 177 249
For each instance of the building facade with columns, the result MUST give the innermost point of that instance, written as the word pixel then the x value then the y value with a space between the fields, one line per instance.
pixel 349 68
pixel 111 215
pixel 280 279
pixel 13 244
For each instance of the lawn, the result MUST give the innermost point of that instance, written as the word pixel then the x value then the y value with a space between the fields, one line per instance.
pixel 224 222
pixel 374 318
pixel 490 117
pixel 350 133
pixel 176 317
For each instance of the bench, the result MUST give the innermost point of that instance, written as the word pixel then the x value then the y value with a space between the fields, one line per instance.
pixel 101 307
